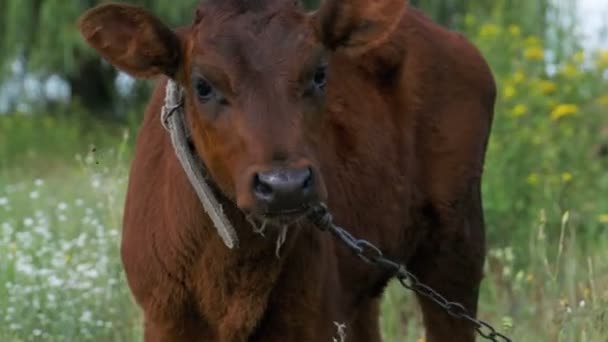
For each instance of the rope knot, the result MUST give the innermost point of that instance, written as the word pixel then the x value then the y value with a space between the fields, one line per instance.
pixel 174 101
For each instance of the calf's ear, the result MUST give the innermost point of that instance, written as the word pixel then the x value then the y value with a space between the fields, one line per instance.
pixel 356 26
pixel 132 39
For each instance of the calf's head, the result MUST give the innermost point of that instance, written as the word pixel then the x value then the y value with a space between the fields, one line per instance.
pixel 255 74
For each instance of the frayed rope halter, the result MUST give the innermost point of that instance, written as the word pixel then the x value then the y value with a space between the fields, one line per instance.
pixel 173 120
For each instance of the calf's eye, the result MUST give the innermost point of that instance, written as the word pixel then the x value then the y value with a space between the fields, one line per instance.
pixel 319 79
pixel 204 90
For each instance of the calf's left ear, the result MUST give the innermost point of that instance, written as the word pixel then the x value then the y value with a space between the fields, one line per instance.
pixel 132 39
pixel 355 26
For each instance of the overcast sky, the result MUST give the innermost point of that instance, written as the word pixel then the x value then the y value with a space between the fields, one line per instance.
pixel 594 15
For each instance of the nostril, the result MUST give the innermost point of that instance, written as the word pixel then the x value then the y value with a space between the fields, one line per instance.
pixel 260 187
pixel 308 181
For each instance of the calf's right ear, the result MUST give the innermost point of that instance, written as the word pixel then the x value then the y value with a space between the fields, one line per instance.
pixel 132 39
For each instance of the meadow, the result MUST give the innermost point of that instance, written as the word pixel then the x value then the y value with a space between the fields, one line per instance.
pixel 545 192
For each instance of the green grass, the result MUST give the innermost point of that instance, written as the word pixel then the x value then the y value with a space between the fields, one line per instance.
pixel 60 275
pixel 545 187
pixel 564 298
pixel 62 279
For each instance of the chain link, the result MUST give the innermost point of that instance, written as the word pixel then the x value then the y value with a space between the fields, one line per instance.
pixel 371 254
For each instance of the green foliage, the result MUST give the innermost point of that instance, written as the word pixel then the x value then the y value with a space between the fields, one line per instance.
pixel 543 187
pixel 547 129
pixel 553 298
pixel 452 13
pixel 34 142
pixel 45 31
pixel 44 34
pixel 60 275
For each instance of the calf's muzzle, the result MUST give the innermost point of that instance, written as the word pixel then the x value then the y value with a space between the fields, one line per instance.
pixel 283 191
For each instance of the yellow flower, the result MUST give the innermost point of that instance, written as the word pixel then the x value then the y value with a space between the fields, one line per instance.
pixel 602 60
pixel 515 30
pixel 532 179
pixel 532 41
pixel 518 76
pixel 570 70
pixel 510 91
pixel 566 177
pixel 529 278
pixel 603 218
pixel 563 110
pixel 603 100
pixel 586 292
pixel 578 57
pixel 547 87
pixel 519 110
pixel 534 53
pixel 489 30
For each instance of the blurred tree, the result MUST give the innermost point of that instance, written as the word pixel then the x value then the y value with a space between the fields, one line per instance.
pixel 531 15
pixel 451 13
pixel 43 35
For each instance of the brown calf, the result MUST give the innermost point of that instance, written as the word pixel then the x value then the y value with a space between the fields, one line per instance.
pixel 364 105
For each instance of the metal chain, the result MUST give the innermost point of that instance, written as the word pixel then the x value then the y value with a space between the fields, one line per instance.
pixel 372 255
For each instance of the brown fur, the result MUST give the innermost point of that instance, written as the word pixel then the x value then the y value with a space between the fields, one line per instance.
pixel 397 140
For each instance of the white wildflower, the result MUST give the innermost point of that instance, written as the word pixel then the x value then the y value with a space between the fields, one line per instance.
pixel 91 273
pixel 86 316
pixel 7 229
pixel 81 240
pixel 25 268
pixel 55 281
